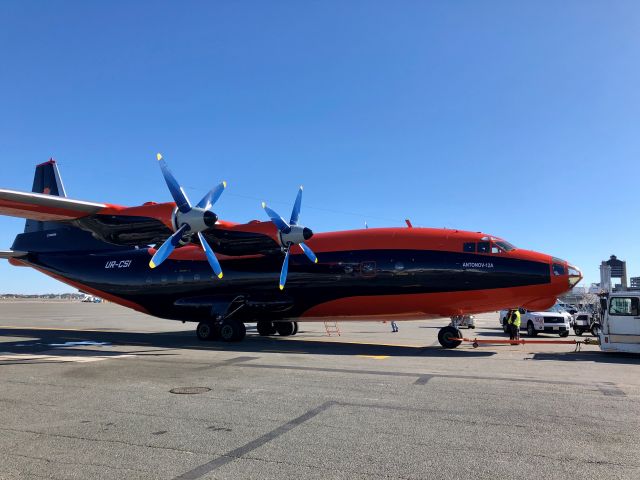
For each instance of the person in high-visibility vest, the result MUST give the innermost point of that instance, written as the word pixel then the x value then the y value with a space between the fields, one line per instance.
pixel 514 324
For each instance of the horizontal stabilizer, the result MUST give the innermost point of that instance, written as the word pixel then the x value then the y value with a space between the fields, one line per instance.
pixel 43 207
pixel 6 254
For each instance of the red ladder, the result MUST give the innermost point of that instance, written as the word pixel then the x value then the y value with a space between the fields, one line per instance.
pixel 332 328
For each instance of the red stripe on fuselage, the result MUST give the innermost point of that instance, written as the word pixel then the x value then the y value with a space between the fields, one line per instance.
pixel 425 305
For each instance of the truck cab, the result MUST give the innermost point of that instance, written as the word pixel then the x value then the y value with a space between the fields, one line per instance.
pixel 620 328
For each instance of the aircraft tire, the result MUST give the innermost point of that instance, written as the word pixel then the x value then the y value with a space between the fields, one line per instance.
pixel 446 334
pixel 295 328
pixel 595 329
pixel 206 331
pixel 285 328
pixel 265 328
pixel 232 331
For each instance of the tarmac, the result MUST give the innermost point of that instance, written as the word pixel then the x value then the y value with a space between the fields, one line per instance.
pixel 99 391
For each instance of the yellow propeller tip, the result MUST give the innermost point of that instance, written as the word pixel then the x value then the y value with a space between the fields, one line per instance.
pixel 264 204
pixel 301 187
pixel 152 265
pixel 316 261
pixel 281 287
pixel 159 156
pixel 224 184
pixel 220 275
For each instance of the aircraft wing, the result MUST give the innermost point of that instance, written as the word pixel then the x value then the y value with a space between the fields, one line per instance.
pixel 42 207
pixel 146 224
pixel 7 254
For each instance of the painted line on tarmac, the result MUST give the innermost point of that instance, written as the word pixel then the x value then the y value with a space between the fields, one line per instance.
pixel 52 329
pixel 374 357
pixel 387 373
pixel 218 462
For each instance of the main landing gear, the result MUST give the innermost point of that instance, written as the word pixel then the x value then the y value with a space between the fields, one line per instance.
pixel 228 330
pixel 284 329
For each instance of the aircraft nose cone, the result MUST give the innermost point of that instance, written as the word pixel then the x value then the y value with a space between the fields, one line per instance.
pixel 210 218
pixel 307 233
pixel 575 275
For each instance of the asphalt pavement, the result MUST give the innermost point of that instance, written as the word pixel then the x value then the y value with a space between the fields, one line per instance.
pixel 98 391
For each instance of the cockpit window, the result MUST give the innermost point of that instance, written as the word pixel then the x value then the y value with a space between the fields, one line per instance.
pixel 484 247
pixel 469 247
pixel 506 246
pixel 558 269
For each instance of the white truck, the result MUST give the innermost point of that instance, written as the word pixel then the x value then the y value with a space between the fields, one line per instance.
pixel 620 325
pixel 550 321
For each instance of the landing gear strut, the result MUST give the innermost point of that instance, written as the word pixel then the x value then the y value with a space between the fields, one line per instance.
pixel 446 337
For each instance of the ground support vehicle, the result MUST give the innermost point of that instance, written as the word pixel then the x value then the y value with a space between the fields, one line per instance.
pixel 467 321
pixel 620 330
pixel 585 322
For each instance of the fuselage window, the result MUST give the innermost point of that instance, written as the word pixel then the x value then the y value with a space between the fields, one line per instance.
pixel 484 247
pixel 470 247
pixel 558 269
pixel 496 249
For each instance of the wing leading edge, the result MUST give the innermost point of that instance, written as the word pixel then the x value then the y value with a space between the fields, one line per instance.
pixel 43 207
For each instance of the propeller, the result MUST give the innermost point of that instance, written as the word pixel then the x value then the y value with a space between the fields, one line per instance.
pixel 291 233
pixel 189 220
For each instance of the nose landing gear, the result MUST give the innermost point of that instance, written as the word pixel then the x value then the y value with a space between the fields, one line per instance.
pixel 447 336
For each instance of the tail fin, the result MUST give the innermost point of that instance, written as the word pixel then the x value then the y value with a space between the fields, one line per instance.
pixel 46 180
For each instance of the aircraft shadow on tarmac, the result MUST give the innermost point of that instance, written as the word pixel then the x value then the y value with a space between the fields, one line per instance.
pixel 597 356
pixel 46 340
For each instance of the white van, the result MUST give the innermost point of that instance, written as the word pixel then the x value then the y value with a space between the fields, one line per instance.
pixel 620 328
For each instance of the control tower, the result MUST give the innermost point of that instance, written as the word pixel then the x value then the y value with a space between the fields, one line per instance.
pixel 618 271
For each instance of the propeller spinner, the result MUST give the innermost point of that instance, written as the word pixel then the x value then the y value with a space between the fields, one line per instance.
pixel 189 220
pixel 291 234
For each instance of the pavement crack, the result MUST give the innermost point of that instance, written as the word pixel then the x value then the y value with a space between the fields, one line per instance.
pixel 104 440
pixel 62 462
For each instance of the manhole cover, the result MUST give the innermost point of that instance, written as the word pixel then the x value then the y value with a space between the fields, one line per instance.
pixel 189 390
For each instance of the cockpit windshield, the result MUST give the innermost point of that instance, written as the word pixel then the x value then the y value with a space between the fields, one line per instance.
pixel 506 246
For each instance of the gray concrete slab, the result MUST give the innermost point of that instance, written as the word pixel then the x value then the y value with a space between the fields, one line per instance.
pixel 367 404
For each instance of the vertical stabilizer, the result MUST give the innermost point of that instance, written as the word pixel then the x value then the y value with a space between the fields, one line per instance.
pixel 46 180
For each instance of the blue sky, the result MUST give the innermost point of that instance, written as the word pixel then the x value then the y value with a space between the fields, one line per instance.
pixel 519 119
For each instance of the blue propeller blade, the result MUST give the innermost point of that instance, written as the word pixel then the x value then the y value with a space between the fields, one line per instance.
pixel 167 247
pixel 308 252
pixel 212 197
pixel 295 213
pixel 285 269
pixel 282 225
pixel 182 202
pixel 213 261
